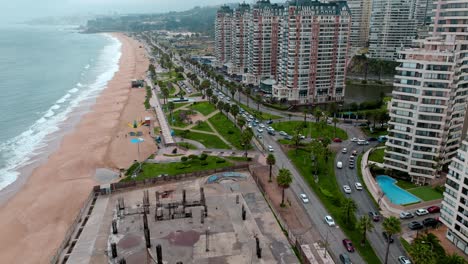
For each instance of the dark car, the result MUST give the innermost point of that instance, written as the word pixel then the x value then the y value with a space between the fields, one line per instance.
pixel 269 122
pixel 387 238
pixel 374 216
pixel 415 225
pixel 345 258
pixel 372 139
pixel 337 140
pixel 348 245
pixel 430 222
pixel 433 209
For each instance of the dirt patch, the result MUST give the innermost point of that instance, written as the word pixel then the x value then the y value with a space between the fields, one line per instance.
pixel 129 241
pixel 183 238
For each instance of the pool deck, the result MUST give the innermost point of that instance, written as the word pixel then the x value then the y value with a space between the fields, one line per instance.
pixel 386 207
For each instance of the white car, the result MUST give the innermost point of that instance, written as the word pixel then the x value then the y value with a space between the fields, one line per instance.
pixel 329 220
pixel 421 211
pixel 282 133
pixel 260 130
pixel 354 139
pixel 403 260
pixel 261 125
pixel 363 142
pixel 249 126
pixel 304 198
pixel 270 148
pixel 358 186
pixel 339 164
pixel 345 150
pixel 347 189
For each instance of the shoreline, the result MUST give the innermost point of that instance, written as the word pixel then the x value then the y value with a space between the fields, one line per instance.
pixel 47 201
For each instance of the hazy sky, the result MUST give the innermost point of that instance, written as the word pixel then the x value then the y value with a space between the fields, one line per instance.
pixel 20 10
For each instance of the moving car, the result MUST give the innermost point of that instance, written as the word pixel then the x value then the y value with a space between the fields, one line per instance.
pixel 339 164
pixel 403 260
pixel 358 186
pixel 348 245
pixel 351 165
pixel 432 222
pixel 345 259
pixel 374 216
pixel 344 150
pixel 304 198
pixel 415 225
pixel 387 237
pixel 329 220
pixel 270 148
pixel 354 153
pixel 406 215
pixel 269 122
pixel 354 139
pixel 363 142
pixel 346 189
pixel 271 132
pixel 260 130
pixel 421 211
pixel 433 209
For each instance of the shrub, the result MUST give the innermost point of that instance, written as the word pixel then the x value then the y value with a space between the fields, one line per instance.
pixel 183 158
pixel 220 160
pixel 174 151
pixel 203 156
pixel 230 132
pixel 364 82
pixel 193 157
pixel 203 162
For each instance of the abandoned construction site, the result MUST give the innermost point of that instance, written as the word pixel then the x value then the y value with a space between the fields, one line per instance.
pixel 220 218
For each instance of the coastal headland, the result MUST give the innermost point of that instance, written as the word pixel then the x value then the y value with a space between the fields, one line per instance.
pixel 34 221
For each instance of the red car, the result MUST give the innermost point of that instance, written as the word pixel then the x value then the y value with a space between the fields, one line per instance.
pixel 348 245
pixel 433 209
pixel 337 140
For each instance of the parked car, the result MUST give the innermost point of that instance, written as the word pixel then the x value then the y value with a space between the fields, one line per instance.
pixel 348 245
pixel 270 148
pixel 432 222
pixel 354 139
pixel 271 132
pixel 433 209
pixel 421 211
pixel 344 150
pixel 403 260
pixel 374 216
pixel 347 189
pixel 337 140
pixel 406 215
pixel 415 225
pixel 358 186
pixel 269 122
pixel 304 198
pixel 261 125
pixel 329 220
pixel 387 237
pixel 282 133
pixel 260 130
pixel 354 153
pixel 351 165
pixel 345 259
pixel 288 137
pixel 339 164
pixel 372 139
pixel 363 142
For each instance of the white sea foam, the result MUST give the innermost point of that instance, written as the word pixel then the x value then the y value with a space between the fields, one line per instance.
pixel 79 85
pixel 21 149
pixel 87 66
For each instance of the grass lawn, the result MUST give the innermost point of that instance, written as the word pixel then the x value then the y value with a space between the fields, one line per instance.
pixel 377 155
pixel 176 120
pixel 205 108
pixel 377 131
pixel 313 129
pixel 179 105
pixel 186 145
pixel 426 193
pixel 203 126
pixel 195 95
pixel 239 158
pixel 209 141
pixel 227 129
pixel 405 185
pixel 150 170
pixel 327 189
pixel 258 114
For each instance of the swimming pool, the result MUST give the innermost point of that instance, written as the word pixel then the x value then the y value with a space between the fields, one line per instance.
pixel 394 193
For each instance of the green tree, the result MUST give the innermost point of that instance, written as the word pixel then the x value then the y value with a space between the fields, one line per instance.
pixel 365 224
pixel 220 105
pixel 392 226
pixel 422 254
pixel 241 122
pixel 284 179
pixel 348 208
pixel 246 137
pixel 171 107
pixel 453 259
pixel 214 100
pixel 209 93
pixel 258 100
pixel 335 121
pixel 165 94
pixel 234 110
pixel 227 108
pixel 317 114
pixel 296 137
pixel 271 161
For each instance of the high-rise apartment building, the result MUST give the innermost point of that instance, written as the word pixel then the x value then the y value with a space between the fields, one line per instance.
pixel 392 28
pixel 240 39
pixel 303 46
pixel 428 107
pixel 312 58
pixel 223 34
pixel 361 14
pixel 454 210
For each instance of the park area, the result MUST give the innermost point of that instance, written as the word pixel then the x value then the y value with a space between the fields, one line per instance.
pixel 311 129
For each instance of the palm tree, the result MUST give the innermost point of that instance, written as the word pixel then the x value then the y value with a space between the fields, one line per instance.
pixel 165 94
pixel 391 226
pixel 421 253
pixel 317 114
pixel 364 224
pixel 334 120
pixel 284 179
pixel 453 259
pixel 171 107
pixel 258 99
pixel 270 161
pixel 349 207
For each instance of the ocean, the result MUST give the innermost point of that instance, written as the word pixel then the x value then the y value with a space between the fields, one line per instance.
pixel 46 74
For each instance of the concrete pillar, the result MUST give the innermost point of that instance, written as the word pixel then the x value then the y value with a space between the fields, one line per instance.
pixel 114 250
pixel 159 254
pixel 114 227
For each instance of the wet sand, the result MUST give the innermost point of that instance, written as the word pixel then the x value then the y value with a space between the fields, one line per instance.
pixel 33 221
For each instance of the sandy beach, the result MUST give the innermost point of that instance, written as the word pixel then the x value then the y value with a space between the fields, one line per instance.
pixel 34 221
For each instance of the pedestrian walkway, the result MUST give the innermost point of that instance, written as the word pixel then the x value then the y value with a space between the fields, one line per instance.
pixel 163 125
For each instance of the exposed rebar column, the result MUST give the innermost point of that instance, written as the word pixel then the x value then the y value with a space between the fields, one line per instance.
pixel 157 199
pixel 114 227
pixel 180 262
pixel 159 254
pixel 202 196
pixel 114 250
pixel 259 249
pixel 206 210
pixel 183 198
pixel 237 199
pixel 202 217
pixel 147 238
pixel 207 235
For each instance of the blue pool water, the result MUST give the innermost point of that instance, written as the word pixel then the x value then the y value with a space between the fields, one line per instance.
pixel 394 193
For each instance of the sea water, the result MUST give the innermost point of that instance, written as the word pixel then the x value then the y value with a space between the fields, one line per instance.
pixel 46 72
